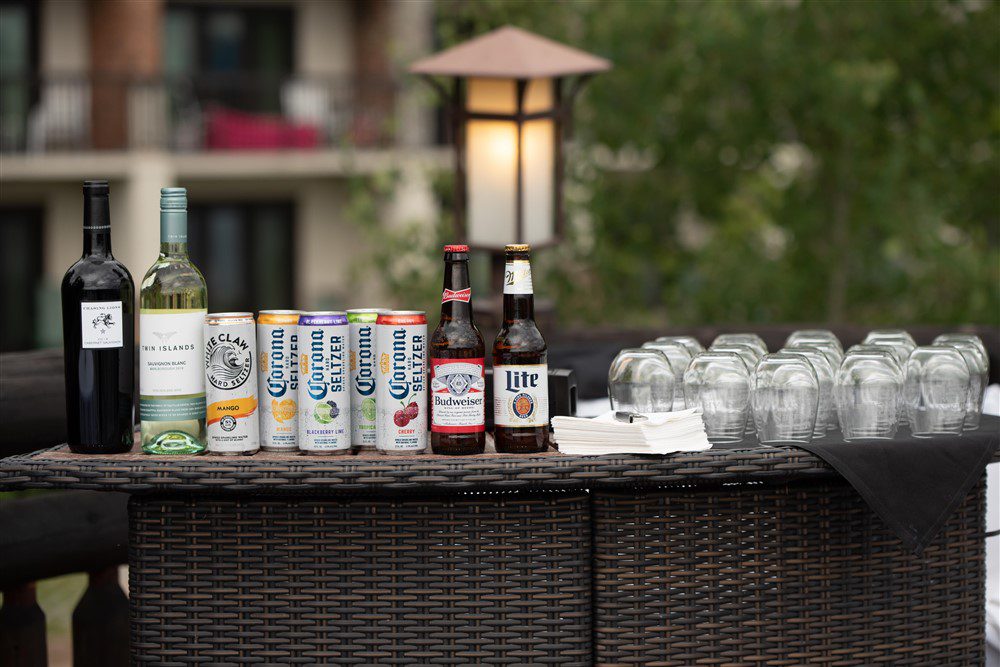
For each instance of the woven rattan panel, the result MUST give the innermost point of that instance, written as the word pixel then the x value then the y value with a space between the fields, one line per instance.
pixel 484 579
pixel 780 576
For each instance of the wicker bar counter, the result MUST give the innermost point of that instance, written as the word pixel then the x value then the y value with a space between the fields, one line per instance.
pixel 744 556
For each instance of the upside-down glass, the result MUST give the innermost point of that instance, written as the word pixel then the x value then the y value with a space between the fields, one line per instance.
pixel 936 391
pixel 867 392
pixel 679 358
pixel 751 339
pixel 896 338
pixel 750 357
pixel 826 415
pixel 718 383
pixel 690 342
pixel 813 336
pixel 979 368
pixel 830 350
pixel 784 398
pixel 967 337
pixel 641 380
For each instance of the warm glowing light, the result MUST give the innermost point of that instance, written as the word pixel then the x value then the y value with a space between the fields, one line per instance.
pixel 491 164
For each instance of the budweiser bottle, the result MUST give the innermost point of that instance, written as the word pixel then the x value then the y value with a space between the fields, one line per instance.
pixel 458 385
pixel 520 371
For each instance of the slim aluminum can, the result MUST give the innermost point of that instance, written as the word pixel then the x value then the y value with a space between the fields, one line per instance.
pixel 278 379
pixel 324 402
pixel 402 382
pixel 231 384
pixel 363 368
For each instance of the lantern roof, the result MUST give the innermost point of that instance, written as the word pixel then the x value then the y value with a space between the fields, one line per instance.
pixel 510 53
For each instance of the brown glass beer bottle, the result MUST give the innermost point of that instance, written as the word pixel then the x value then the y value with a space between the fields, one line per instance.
pixel 520 369
pixel 458 384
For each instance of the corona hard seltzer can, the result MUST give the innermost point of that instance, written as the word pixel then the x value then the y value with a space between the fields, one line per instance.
pixel 278 379
pixel 363 368
pixel 324 401
pixel 401 402
pixel 231 384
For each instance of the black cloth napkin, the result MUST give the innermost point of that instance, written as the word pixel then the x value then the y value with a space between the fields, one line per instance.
pixel 913 484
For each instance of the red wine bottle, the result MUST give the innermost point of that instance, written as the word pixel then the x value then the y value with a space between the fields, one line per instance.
pixel 98 312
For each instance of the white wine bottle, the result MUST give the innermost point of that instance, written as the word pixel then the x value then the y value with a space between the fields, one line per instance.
pixel 172 307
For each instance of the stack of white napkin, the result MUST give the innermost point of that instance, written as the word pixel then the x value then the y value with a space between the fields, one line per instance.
pixel 659 433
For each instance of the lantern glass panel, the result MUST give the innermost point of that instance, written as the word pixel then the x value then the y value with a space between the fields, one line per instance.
pixel 491 96
pixel 538 96
pixel 538 155
pixel 491 181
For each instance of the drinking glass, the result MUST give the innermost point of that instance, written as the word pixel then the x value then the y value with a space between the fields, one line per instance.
pixel 979 368
pixel 641 380
pixel 690 342
pixel 826 415
pixel 896 338
pixel 867 391
pixel 750 357
pixel 813 336
pixel 936 391
pixel 718 383
pixel 898 354
pixel 751 339
pixel 969 338
pixel 679 358
pixel 784 398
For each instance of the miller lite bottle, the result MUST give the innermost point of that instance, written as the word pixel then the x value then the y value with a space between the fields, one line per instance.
pixel 458 356
pixel 520 371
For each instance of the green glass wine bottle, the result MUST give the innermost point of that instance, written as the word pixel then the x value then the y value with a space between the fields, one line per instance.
pixel 172 306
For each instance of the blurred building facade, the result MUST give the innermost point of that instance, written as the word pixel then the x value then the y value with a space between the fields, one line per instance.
pixel 262 109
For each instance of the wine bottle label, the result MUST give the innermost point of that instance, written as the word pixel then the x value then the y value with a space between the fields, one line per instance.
pixel 458 395
pixel 171 370
pixel 521 395
pixel 101 322
pixel 517 277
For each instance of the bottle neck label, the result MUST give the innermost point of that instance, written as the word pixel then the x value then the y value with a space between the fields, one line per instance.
pixel 463 295
pixel 173 227
pixel 517 277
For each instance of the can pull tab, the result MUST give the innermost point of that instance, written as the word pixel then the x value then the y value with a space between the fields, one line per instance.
pixel 630 417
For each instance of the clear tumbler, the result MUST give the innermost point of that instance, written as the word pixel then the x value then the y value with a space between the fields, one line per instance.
pixel 936 391
pixel 641 380
pixel 784 398
pixel 718 383
pixel 867 391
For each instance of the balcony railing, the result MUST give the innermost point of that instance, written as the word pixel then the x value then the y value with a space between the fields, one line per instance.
pixel 202 113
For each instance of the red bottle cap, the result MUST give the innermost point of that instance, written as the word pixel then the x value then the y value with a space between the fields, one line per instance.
pixel 456 248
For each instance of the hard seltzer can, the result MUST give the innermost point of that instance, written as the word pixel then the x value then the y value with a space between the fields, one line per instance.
pixel 363 368
pixel 278 379
pixel 401 402
pixel 231 384
pixel 324 401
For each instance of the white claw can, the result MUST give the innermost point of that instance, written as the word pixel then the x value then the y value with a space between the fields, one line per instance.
pixel 278 379
pixel 401 401
pixel 231 384
pixel 324 399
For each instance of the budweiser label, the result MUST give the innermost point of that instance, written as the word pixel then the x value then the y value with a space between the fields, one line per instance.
pixel 458 395
pixel 457 295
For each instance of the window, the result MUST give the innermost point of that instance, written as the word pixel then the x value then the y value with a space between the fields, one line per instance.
pixel 18 65
pixel 246 252
pixel 235 56
pixel 20 275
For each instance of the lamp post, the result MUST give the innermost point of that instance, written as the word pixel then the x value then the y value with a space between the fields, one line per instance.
pixel 509 96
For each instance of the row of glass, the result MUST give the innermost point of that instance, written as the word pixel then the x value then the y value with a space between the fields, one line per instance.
pixel 811 384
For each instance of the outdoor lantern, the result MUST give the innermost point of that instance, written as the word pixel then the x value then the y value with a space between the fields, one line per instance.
pixel 509 102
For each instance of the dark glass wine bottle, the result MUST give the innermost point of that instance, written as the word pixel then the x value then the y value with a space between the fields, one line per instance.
pixel 98 312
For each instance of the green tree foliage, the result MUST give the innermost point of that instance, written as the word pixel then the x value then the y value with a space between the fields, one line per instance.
pixel 775 160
